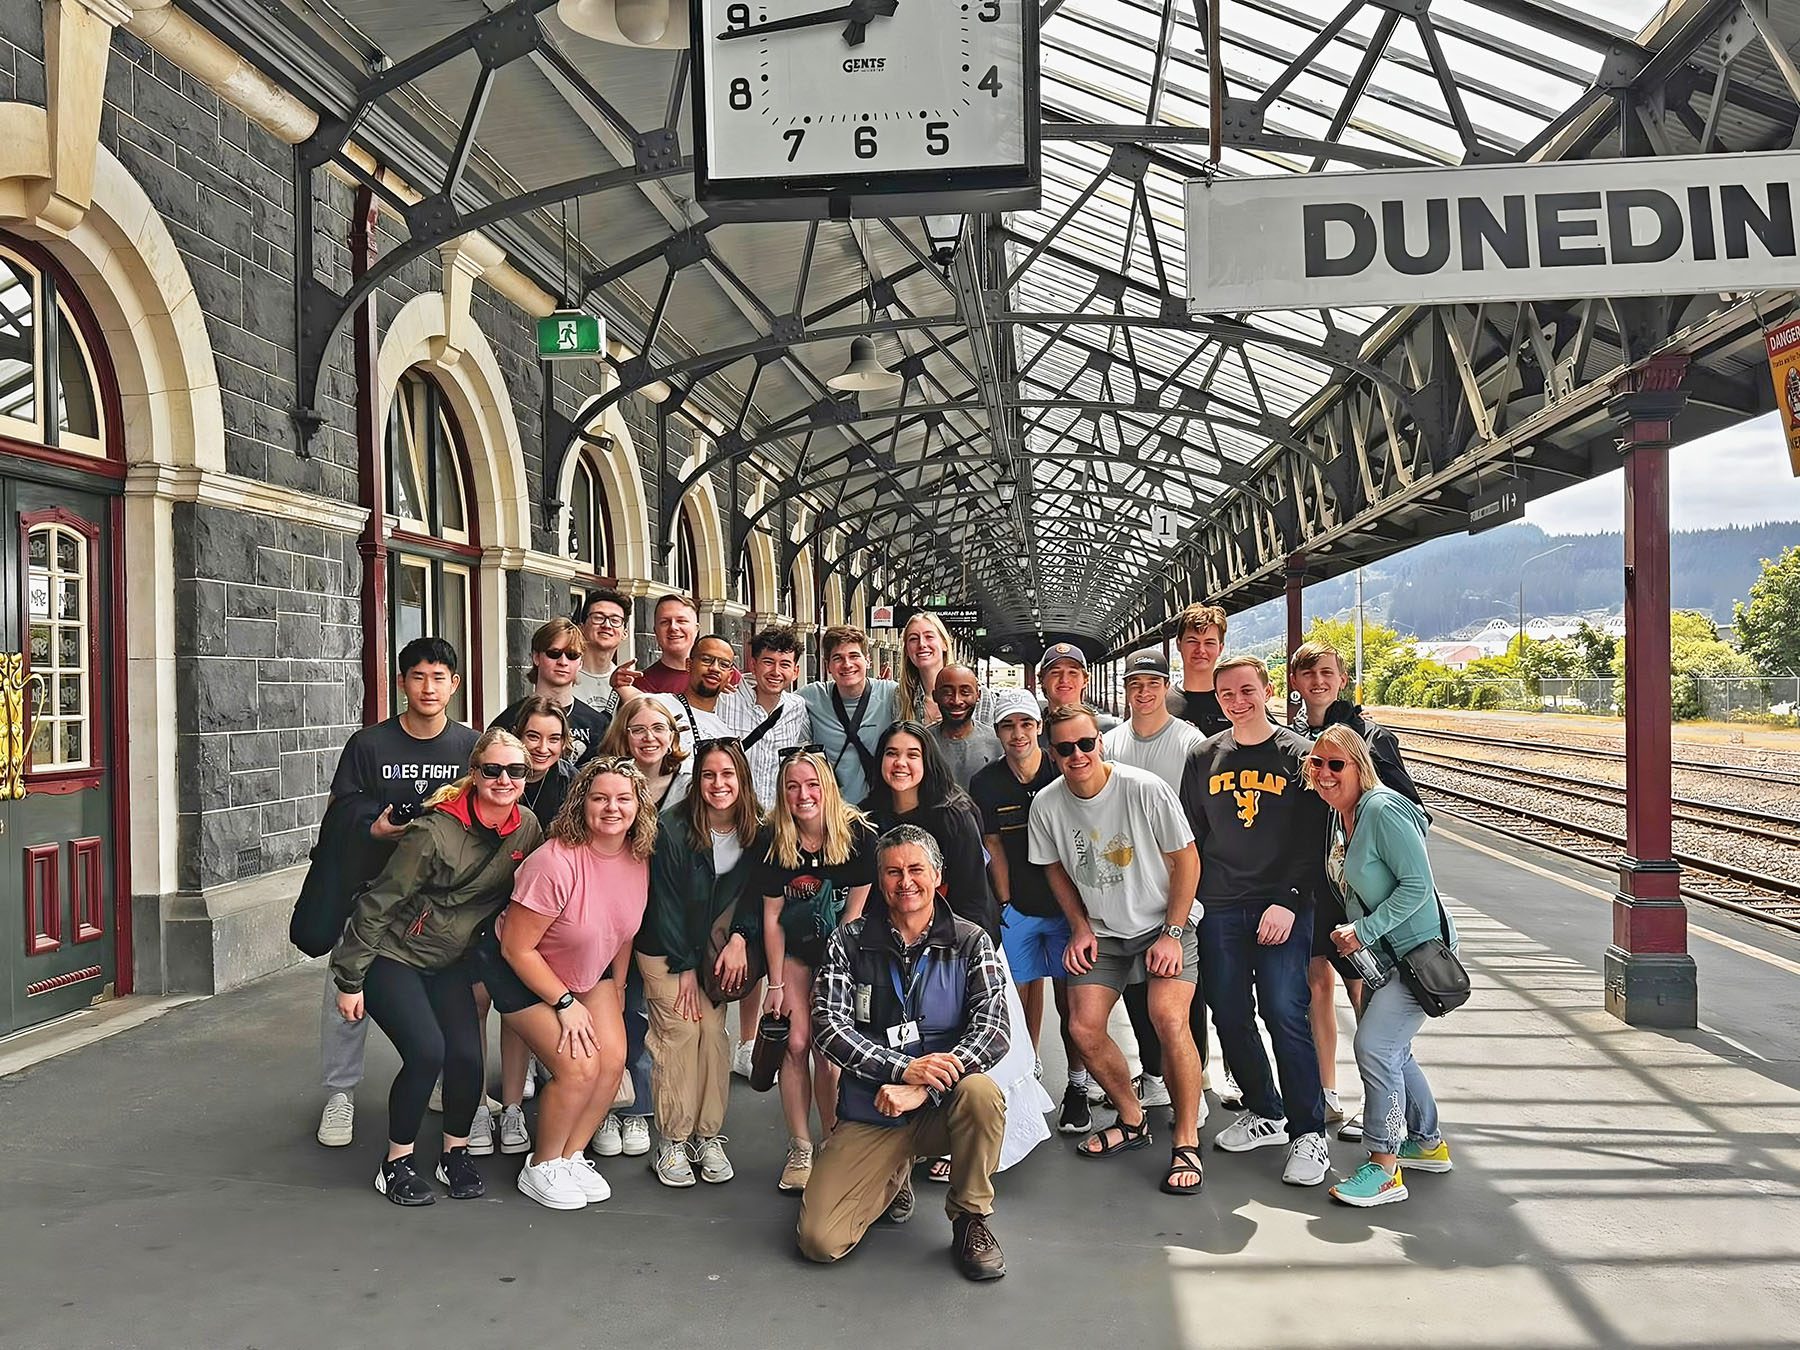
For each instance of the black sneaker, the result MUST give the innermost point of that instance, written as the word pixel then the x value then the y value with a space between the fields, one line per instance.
pixel 1077 1116
pixel 399 1183
pixel 457 1170
pixel 903 1204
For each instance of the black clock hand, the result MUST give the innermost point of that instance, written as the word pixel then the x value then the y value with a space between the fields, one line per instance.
pixel 812 20
pixel 856 28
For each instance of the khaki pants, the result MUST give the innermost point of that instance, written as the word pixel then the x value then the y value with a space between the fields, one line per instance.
pixel 690 1074
pixel 862 1167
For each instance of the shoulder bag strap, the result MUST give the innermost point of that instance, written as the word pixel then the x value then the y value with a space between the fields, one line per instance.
pixel 851 724
pixel 763 730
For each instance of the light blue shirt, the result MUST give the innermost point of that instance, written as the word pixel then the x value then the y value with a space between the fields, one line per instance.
pixel 846 764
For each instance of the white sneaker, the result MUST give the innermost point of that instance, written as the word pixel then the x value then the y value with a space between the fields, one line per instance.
pixel 1250 1131
pixel 550 1184
pixel 740 1058
pixel 634 1136
pixel 608 1139
pixel 672 1165
pixel 587 1178
pixel 436 1102
pixel 481 1133
pixel 1200 1116
pixel 1308 1161
pixel 338 1122
pixel 532 1070
pixel 514 1137
pixel 1334 1108
pixel 1095 1093
pixel 1231 1096
pixel 1152 1091
pixel 714 1165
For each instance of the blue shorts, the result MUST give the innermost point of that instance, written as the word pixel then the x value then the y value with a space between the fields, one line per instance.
pixel 1034 947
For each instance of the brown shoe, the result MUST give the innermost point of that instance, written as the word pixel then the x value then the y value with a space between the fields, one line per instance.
pixel 978 1256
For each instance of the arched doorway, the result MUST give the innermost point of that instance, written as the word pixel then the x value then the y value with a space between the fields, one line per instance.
pixel 63 923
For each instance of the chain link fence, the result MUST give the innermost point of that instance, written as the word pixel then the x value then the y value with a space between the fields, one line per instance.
pixel 1755 698
pixel 1583 695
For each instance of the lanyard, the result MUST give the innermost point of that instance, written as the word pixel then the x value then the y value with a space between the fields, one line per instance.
pixel 907 994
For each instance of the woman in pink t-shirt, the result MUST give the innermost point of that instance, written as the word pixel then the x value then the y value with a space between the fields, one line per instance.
pixel 577 903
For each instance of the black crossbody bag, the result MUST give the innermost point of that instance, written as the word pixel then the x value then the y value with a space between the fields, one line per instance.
pixel 1432 972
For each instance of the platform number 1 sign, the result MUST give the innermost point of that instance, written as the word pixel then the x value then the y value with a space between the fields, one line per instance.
pixel 569 335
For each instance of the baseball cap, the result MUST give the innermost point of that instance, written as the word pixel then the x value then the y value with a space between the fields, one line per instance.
pixel 1146 661
pixel 1015 702
pixel 1062 651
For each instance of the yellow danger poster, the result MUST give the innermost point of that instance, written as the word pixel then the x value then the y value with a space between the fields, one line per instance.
pixel 1784 369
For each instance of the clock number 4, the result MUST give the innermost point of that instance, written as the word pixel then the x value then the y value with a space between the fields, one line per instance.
pixel 989 82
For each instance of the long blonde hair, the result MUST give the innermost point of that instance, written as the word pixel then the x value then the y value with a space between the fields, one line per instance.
pixel 570 826
pixel 912 692
pixel 617 740
pixel 483 743
pixel 842 821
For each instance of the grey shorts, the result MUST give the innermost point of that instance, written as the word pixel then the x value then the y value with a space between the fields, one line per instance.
pixel 1121 960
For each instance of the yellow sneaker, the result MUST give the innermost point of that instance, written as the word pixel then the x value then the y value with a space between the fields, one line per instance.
pixel 798 1171
pixel 1418 1158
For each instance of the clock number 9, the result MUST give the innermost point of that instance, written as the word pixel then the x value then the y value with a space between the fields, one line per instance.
pixel 937 138
pixel 740 94
pixel 865 142
pixel 737 16
pixel 989 11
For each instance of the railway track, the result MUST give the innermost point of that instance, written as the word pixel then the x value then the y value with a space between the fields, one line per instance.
pixel 1776 776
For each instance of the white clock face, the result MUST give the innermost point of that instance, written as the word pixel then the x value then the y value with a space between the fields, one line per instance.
pixel 937 85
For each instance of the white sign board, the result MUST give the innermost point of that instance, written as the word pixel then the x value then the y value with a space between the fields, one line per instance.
pixel 1689 225
pixel 881 616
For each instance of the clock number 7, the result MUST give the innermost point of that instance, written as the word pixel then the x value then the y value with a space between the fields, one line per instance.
pixel 989 11
pixel 793 136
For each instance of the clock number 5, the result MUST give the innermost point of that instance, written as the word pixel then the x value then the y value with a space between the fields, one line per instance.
pixel 740 94
pixel 937 138
pixel 865 142
pixel 989 11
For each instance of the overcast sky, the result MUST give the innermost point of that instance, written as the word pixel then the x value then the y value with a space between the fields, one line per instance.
pixel 1736 477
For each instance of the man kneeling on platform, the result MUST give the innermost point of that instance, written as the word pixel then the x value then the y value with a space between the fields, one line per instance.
pixel 911 1004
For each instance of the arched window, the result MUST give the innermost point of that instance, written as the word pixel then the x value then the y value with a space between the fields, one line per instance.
pixel 589 541
pixel 744 579
pixel 687 556
pixel 48 391
pixel 432 554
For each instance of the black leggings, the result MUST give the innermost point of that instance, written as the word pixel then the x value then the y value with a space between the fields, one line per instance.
pixel 1137 1007
pixel 429 1015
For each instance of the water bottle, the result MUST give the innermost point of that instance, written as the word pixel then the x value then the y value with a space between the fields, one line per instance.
pixel 1370 971
pixel 770 1048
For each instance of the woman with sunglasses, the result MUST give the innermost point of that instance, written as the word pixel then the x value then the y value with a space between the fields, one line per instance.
pixel 1375 856
pixel 401 957
pixel 812 867
pixel 646 733
pixel 703 853
pixel 557 976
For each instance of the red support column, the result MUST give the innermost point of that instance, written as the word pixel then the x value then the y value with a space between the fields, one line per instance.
pixel 1296 626
pixel 371 478
pixel 1650 978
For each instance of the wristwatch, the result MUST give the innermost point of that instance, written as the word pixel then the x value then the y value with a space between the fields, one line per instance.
pixel 1173 930
pixel 566 1001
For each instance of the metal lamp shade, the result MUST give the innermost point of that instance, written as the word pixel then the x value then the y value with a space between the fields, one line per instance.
pixel 864 374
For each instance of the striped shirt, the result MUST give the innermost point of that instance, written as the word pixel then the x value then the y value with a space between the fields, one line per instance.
pixel 742 714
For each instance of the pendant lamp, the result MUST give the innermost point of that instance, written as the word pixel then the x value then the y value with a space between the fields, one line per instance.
pixel 865 374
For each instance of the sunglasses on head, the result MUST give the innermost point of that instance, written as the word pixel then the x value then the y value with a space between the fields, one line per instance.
pixel 561 654
pixel 1085 744
pixel 509 770
pixel 795 751
pixel 718 743
pixel 1320 762
pixel 619 764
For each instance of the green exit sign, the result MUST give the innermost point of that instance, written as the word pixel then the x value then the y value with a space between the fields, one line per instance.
pixel 569 335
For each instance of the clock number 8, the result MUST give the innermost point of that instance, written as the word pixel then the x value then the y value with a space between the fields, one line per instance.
pixel 865 142
pixel 737 16
pixel 740 94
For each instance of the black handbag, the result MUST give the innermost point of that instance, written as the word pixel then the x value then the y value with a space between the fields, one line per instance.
pixel 1431 971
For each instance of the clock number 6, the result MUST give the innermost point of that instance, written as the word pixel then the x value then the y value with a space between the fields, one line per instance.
pixel 937 138
pixel 989 11
pixel 865 142
pixel 740 94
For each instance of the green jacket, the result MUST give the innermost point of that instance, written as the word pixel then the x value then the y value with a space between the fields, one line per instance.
pixel 435 891
pixel 1389 891
pixel 687 896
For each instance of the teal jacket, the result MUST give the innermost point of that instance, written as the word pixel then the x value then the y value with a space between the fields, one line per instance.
pixel 687 895
pixel 1389 892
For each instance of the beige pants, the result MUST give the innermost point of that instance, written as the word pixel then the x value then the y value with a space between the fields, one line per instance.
pixel 690 1074
pixel 862 1167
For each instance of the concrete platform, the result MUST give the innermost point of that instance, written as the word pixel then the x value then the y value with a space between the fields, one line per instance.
pixel 1614 1187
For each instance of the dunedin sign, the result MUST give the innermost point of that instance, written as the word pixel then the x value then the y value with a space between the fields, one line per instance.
pixel 1679 226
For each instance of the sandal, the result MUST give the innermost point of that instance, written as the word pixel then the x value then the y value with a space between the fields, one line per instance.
pixel 939 1171
pixel 1130 1137
pixel 1183 1158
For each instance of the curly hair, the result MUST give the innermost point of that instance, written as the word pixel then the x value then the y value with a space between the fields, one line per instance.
pixel 571 827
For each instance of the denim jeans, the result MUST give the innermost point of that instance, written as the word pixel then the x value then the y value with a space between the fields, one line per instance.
pixel 1234 969
pixel 1397 1101
pixel 637 1053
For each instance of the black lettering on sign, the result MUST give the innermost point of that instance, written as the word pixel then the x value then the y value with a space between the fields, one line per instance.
pixel 1557 233
pixel 1744 216
pixel 1317 219
pixel 1620 225
pixel 1437 237
pixel 1509 240
pixel 1700 224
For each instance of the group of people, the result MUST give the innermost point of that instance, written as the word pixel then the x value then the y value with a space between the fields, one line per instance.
pixel 888 871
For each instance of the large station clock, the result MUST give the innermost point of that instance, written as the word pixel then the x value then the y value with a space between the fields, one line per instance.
pixel 874 107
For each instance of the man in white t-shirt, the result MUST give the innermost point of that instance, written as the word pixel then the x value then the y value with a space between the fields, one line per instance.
pixel 604 617
pixel 1158 741
pixel 1119 854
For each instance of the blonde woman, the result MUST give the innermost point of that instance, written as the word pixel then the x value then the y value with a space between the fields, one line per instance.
pixel 814 862
pixel 401 957
pixel 566 943
pixel 646 733
pixel 926 648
